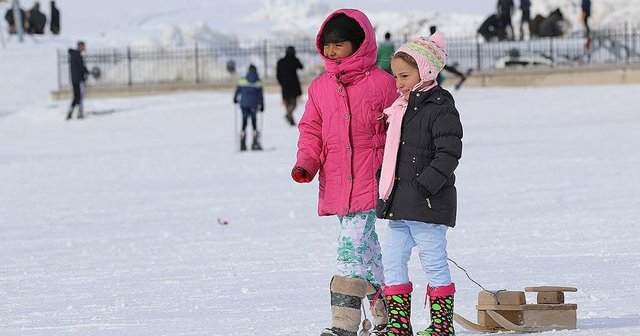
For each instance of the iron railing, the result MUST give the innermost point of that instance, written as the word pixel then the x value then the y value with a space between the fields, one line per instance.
pixel 200 64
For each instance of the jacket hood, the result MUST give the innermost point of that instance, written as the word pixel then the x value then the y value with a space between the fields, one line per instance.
pixel 291 52
pixel 252 76
pixel 351 68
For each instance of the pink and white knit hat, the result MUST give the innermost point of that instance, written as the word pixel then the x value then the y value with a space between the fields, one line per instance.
pixel 430 54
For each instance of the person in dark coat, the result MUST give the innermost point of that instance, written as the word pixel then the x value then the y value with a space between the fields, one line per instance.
pixel 493 29
pixel 78 72
pixel 55 19
pixel 11 20
pixel 505 10
pixel 287 74
pixel 249 94
pixel 552 25
pixel 37 20
pixel 586 14
pixel 417 190
pixel 525 8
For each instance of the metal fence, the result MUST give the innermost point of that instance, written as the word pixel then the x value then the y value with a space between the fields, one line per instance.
pixel 211 63
pixel 195 64
pixel 611 45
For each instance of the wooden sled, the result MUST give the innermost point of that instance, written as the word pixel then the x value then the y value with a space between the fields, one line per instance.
pixel 508 311
pixel 473 326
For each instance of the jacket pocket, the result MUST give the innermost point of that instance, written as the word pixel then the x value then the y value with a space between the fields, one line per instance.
pixel 422 191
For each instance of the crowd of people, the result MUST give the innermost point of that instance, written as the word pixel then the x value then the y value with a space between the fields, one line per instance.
pixel 499 26
pixel 34 21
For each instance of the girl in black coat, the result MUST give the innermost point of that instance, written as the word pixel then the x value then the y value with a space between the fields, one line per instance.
pixel 417 184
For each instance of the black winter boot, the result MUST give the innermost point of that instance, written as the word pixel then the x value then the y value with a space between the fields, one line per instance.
pixel 70 113
pixel 256 141
pixel 290 120
pixel 243 141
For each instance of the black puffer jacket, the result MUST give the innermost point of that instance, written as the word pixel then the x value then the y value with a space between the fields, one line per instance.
pixel 430 148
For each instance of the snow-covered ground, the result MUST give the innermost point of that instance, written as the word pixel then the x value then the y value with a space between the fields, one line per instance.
pixel 110 226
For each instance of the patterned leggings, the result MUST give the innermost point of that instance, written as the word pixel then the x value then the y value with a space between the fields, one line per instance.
pixel 359 253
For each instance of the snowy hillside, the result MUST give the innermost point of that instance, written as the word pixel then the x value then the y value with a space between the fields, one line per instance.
pixel 167 22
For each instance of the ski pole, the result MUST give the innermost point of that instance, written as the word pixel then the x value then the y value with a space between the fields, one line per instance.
pixel 261 125
pixel 236 127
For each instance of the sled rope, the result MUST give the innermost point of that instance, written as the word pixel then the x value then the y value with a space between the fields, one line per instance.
pixel 495 294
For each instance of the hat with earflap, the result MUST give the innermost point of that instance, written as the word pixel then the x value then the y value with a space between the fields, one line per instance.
pixel 341 28
pixel 430 54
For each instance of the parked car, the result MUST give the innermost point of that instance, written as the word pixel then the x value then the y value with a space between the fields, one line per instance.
pixel 515 59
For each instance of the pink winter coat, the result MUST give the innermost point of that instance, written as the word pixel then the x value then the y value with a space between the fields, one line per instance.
pixel 342 131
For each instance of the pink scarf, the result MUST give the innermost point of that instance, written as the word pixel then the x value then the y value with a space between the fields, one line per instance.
pixel 395 114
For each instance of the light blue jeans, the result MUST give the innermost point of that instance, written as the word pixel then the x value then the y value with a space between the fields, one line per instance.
pixel 431 239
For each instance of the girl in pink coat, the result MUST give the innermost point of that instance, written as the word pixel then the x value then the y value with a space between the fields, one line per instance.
pixel 342 136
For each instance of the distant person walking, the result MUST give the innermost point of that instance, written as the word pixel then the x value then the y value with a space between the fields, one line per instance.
pixel 505 11
pixel 79 73
pixel 287 74
pixel 250 95
pixel 55 19
pixel 586 14
pixel 525 8
pixel 385 52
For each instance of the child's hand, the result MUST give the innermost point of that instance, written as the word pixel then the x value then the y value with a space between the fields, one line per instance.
pixel 301 175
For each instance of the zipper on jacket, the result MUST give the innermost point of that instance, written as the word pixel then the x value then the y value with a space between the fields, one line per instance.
pixel 429 203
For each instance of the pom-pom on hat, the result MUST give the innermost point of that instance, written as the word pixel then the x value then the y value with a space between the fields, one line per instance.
pixel 342 28
pixel 430 54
